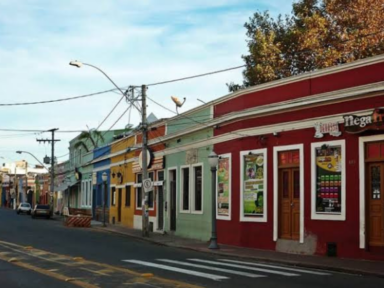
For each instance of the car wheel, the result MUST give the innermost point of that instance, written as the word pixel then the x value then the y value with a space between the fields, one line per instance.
pixel 18 212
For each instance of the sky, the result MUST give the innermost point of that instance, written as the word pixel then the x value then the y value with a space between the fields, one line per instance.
pixel 134 42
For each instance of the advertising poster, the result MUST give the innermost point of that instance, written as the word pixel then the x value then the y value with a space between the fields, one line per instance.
pixel 253 180
pixel 223 185
pixel 328 179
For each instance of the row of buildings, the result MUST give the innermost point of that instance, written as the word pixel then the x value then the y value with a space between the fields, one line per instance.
pixel 22 182
pixel 301 167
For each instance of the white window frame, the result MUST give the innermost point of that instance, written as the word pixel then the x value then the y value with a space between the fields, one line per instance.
pixel 192 195
pixel 276 151
pixel 265 196
pixel 137 190
pixel 328 216
pixel 181 184
pixel 221 217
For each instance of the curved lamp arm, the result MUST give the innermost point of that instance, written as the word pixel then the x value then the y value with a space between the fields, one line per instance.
pixel 20 152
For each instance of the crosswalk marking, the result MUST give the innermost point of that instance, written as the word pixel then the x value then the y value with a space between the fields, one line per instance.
pixel 278 267
pixel 246 267
pixel 212 268
pixel 180 270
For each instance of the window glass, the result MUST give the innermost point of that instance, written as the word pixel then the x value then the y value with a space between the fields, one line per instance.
pixel 127 196
pixel 198 185
pixel 185 188
pixel 138 191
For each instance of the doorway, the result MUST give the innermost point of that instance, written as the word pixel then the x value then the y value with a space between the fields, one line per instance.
pixel 289 195
pixel 172 186
pixel 374 193
pixel 120 192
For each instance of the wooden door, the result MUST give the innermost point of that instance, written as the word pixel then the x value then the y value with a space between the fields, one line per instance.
pixel 289 203
pixel 375 203
pixel 119 205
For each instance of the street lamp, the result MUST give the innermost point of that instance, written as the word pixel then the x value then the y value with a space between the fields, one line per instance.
pixel 104 177
pixel 213 160
pixel 20 152
pixel 143 111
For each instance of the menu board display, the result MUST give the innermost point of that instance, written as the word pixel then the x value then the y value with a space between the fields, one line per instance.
pixel 253 185
pixel 328 179
pixel 223 184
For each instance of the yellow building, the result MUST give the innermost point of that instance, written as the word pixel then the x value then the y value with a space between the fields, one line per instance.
pixel 122 180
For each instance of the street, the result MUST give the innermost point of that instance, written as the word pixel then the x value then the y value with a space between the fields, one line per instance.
pixel 44 253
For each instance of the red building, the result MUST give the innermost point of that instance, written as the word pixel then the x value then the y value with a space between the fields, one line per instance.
pixel 305 160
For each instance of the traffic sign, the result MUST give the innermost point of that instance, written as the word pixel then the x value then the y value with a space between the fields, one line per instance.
pixel 147 185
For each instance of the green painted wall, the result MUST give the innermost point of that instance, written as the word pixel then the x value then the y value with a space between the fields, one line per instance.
pixel 196 226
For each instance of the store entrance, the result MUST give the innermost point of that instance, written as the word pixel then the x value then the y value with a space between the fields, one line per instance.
pixel 289 195
pixel 375 202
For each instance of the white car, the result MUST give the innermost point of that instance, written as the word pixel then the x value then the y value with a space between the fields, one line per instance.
pixel 24 208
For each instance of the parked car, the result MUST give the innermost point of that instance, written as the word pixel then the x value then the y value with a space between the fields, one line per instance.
pixel 41 211
pixel 24 208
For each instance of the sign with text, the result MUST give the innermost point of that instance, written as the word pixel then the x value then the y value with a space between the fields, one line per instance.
pixel 358 124
pixel 327 128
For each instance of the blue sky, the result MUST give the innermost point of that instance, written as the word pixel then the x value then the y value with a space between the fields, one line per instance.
pixel 134 42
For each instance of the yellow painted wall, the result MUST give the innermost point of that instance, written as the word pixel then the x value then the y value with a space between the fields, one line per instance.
pixel 128 177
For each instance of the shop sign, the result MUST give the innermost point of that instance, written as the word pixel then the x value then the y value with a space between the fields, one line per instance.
pixel 253 185
pixel 358 124
pixel 223 187
pixel 327 128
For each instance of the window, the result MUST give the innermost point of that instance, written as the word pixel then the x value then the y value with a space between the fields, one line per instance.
pixel 253 184
pixel 139 180
pixel 113 196
pixel 127 196
pixel 328 180
pixel 150 194
pixel 185 189
pixel 197 188
pixel 223 200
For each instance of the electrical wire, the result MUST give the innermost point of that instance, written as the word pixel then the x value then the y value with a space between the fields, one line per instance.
pixel 196 76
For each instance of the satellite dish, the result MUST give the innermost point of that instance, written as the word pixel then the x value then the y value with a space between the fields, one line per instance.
pixel 177 101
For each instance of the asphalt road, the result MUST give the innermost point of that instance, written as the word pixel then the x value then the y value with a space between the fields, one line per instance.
pixel 89 257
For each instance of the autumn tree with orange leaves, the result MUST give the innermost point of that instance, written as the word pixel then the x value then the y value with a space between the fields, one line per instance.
pixel 316 35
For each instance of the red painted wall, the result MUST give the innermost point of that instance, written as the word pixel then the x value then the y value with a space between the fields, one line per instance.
pixel 260 235
pixel 337 81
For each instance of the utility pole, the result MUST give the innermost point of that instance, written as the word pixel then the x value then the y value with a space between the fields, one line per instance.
pixel 144 206
pixel 52 141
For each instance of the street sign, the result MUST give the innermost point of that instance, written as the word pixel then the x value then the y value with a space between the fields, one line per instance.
pixel 147 185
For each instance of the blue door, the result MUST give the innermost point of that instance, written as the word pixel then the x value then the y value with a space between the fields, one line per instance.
pixel 94 203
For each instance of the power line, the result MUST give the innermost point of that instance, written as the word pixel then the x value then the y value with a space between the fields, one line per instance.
pixel 196 76
pixel 58 100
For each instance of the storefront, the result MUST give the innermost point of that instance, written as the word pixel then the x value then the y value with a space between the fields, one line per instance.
pixel 301 164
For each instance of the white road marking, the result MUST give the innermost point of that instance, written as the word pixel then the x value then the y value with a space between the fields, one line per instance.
pixel 278 267
pixel 212 268
pixel 175 269
pixel 245 267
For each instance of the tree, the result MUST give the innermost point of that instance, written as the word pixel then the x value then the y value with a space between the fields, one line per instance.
pixel 93 136
pixel 317 34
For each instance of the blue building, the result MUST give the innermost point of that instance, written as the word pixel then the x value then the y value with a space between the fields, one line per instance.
pixel 101 164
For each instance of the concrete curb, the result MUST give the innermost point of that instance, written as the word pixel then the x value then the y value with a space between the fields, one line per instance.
pixel 339 269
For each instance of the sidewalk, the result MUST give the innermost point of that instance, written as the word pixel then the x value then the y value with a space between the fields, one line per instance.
pixel 364 267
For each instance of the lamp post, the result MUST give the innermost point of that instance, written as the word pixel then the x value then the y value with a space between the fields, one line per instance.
pixel 20 152
pixel 104 177
pixel 143 112
pixel 213 160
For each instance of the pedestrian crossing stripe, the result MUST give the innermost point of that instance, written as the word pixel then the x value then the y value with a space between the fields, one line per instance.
pixel 246 274
pixel 246 267
pixel 277 267
pixel 180 270
pixel 233 267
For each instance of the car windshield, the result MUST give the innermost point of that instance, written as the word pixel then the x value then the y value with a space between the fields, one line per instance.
pixel 42 207
pixel 25 205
